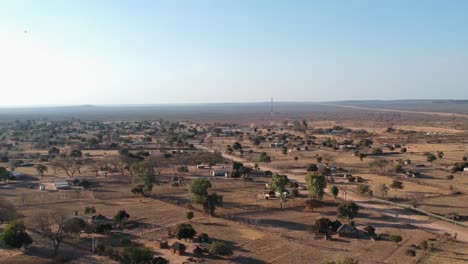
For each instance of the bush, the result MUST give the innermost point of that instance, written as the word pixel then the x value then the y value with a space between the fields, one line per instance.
pixel 364 190
pixel 395 238
pixel 136 255
pixel 184 231
pixel 125 242
pixel 15 235
pixel 396 184
pixel 424 245
pixel 410 253
pixel 311 204
pixel 219 248
pixel 294 192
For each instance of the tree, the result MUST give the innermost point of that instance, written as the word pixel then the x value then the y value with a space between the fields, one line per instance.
pixel 396 185
pixel 143 175
pixel 199 188
pixel 211 202
pixel 440 154
pixel 51 225
pixel 41 168
pixel 137 255
pixel 430 157
pixel 383 188
pixel 322 224
pixel 15 235
pixel 334 191
pixel 312 167
pixel 68 166
pixel 316 184
pixel 76 153
pixel 74 226
pixel 236 146
pixel 364 190
pixel 189 215
pixel 264 158
pixel 90 210
pixel 184 231
pixel 278 183
pixel 395 238
pixel 54 151
pixel 219 248
pixel 362 156
pixel 121 217
pixel 347 210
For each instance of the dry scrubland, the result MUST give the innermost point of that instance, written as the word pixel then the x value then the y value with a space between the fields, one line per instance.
pixel 256 229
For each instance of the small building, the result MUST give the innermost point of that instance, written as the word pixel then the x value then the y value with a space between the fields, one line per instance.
pixel 178 248
pixel 348 230
pixel 198 251
pixel 161 244
pixel 465 170
pixel 202 166
pixel 17 175
pixel 61 184
pixel 277 145
pixel 224 173
pixel 42 187
pixel 369 230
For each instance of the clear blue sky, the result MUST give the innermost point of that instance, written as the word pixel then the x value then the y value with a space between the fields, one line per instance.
pixel 152 52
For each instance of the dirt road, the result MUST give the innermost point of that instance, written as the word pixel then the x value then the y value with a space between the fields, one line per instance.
pixel 399 214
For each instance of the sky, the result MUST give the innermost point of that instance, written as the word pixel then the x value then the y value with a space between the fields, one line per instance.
pixel 71 52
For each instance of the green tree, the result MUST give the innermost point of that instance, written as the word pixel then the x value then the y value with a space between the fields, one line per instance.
pixel 396 185
pixel 185 231
pixel 440 154
pixel 264 158
pixel 143 175
pixel 278 183
pixel 137 255
pixel 395 238
pixel 189 215
pixel 347 210
pixel 334 191
pixel 15 235
pixel 41 168
pixel 199 188
pixel 76 153
pixel 212 201
pixel 430 157
pixel 316 184
pixel 383 188
pixel 219 248
pixel 364 190
pixel 121 217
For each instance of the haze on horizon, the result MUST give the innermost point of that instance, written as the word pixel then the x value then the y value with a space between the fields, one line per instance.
pixel 159 52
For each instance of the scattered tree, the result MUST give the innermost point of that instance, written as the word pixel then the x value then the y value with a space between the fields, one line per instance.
pixel 15 235
pixel 347 210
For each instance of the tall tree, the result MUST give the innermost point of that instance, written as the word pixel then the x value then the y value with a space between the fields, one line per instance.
pixel 41 168
pixel 143 174
pixel 316 184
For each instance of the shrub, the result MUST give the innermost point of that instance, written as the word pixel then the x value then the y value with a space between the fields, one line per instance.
pixel 395 238
pixel 15 235
pixel 294 192
pixel 135 255
pixel 364 190
pixel 219 248
pixel 184 231
pixel 410 253
pixel 396 184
